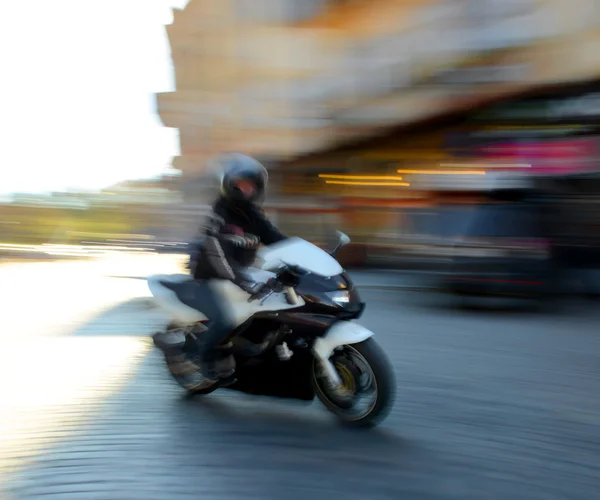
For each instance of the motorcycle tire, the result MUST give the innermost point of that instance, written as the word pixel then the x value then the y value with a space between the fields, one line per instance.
pixel 385 382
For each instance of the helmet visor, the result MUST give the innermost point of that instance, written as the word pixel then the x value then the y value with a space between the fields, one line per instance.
pixel 246 187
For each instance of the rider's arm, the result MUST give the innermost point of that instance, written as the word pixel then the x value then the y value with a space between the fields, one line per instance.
pixel 194 248
pixel 267 232
pixel 216 256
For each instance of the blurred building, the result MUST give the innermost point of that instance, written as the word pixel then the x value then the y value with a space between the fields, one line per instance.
pixel 374 108
pixel 147 209
pixel 159 192
pixel 282 78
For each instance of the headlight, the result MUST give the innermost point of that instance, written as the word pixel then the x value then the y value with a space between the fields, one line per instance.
pixel 341 297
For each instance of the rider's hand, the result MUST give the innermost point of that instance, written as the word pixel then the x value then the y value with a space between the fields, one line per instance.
pixel 248 241
pixel 252 242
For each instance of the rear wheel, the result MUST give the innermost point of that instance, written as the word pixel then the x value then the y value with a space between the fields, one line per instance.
pixel 368 388
pixel 186 374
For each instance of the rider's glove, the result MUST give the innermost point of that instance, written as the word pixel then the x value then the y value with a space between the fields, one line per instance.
pixel 248 241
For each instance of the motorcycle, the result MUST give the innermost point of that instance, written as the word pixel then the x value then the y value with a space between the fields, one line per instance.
pixel 297 336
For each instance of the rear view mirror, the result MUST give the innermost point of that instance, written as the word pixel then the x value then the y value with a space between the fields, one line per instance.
pixel 343 240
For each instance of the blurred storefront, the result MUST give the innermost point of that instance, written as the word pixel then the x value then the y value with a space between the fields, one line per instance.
pixel 393 189
pixel 281 81
pixel 375 113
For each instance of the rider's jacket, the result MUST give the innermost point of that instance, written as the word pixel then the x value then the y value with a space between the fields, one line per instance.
pixel 229 241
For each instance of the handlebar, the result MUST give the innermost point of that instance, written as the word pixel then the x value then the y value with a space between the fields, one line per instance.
pixel 287 276
pixel 265 290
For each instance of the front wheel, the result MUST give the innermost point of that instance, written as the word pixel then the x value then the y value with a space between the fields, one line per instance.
pixel 368 386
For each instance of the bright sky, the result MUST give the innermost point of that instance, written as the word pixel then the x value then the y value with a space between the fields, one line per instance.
pixel 77 108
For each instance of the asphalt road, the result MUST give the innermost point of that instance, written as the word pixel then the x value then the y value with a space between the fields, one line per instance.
pixel 491 405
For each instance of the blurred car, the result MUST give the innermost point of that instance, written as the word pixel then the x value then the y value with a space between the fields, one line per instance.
pixel 503 250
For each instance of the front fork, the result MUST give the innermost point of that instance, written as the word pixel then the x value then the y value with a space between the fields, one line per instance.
pixel 331 374
pixel 339 334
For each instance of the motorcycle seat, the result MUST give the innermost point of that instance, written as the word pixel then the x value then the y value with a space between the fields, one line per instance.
pixel 188 292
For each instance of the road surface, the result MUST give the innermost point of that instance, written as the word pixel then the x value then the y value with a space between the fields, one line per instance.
pixel 491 405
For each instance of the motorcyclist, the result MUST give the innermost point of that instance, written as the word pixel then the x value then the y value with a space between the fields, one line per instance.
pixel 235 229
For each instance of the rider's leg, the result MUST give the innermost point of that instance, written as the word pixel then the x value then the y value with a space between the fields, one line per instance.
pixel 215 361
pixel 215 358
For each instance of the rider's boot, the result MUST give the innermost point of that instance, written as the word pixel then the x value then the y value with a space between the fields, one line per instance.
pixel 172 343
pixel 217 363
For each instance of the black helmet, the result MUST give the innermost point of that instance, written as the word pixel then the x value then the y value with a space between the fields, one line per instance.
pixel 239 171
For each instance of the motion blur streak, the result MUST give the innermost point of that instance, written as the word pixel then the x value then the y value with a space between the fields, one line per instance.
pixel 362 177
pixel 358 183
pixel 443 172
